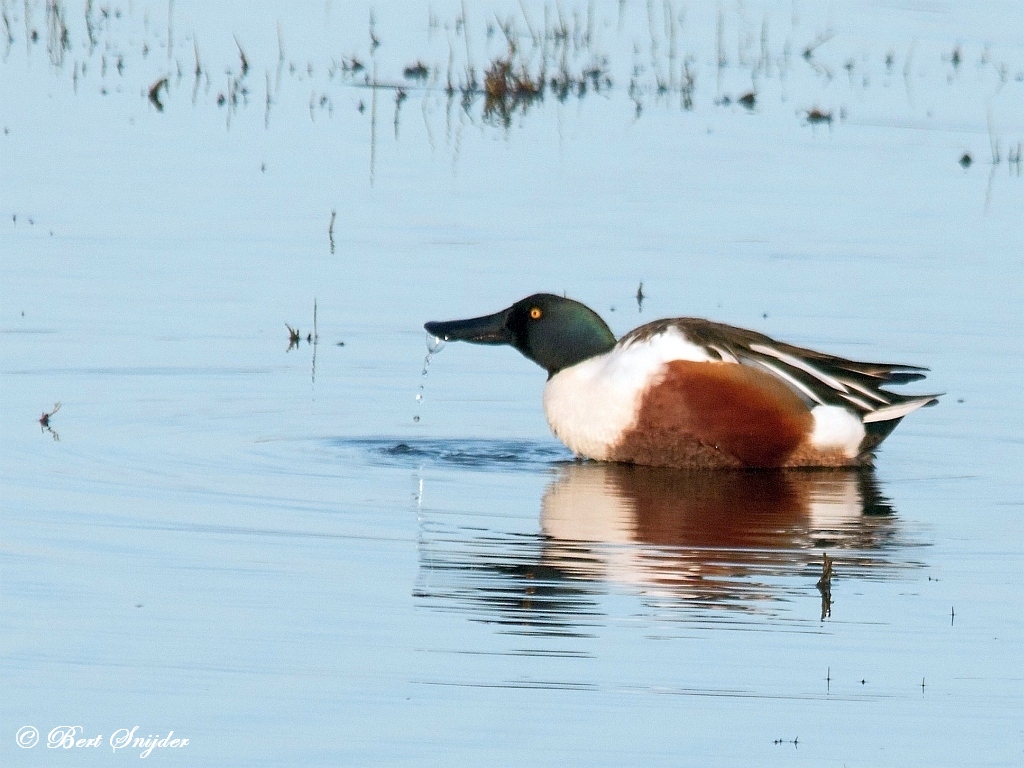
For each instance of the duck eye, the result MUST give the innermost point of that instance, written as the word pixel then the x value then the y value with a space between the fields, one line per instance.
pixel 535 313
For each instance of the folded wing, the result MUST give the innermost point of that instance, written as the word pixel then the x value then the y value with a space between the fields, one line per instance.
pixel 816 377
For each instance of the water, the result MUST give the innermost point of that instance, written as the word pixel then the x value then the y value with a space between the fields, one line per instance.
pixel 253 544
pixel 434 345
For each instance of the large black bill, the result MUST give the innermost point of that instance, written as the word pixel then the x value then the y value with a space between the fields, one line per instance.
pixel 490 329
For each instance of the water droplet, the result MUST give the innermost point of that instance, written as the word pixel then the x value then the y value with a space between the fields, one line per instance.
pixel 434 344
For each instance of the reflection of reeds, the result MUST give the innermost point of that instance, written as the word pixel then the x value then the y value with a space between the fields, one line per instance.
pixel 58 41
pixel 686 88
pixel 90 26
pixel 8 35
pixel 1014 157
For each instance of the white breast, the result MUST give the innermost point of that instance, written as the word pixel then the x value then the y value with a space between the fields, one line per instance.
pixel 590 405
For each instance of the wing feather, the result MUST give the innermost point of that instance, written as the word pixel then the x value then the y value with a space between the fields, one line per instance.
pixel 819 378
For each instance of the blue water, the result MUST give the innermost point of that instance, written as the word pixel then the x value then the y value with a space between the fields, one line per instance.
pixel 258 547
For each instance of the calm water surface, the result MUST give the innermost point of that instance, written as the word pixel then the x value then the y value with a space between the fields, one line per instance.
pixel 277 552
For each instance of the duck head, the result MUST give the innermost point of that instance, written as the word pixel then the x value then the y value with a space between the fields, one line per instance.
pixel 550 330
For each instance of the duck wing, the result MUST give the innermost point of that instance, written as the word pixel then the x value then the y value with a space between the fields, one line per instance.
pixel 818 378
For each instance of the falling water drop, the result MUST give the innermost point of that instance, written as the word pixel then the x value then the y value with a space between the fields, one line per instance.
pixel 434 345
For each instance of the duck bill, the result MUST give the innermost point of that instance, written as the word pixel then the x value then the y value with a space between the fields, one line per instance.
pixel 489 329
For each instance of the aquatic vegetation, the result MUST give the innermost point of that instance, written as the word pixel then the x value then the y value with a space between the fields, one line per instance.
pixel 817 116
pixel 651 58
pixel 44 421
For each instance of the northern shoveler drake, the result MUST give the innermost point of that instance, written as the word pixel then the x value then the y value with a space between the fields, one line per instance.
pixel 695 394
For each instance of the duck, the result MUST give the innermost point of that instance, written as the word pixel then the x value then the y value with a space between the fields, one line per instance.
pixel 690 393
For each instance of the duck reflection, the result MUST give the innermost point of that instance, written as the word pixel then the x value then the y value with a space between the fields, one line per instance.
pixel 712 539
pixel 619 503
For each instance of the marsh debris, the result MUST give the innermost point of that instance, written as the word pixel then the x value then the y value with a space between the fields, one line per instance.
pixel 825 582
pixel 557 53
pixel 510 85
pixel 507 89
pixel 44 421
pixel 825 586
pixel 418 71
pixel 818 41
pixel 817 116
pixel 1014 158
pixel 243 59
pixel 347 67
pixel 154 93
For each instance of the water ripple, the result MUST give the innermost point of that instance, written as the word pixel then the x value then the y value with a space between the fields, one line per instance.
pixel 469 453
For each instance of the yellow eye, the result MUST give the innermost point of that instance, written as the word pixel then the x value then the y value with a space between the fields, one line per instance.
pixel 535 313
